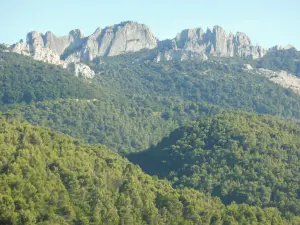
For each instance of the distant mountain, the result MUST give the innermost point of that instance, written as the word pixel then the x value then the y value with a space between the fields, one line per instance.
pixel 132 37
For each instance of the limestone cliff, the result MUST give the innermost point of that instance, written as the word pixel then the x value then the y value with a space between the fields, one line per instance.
pixel 190 44
pixel 217 42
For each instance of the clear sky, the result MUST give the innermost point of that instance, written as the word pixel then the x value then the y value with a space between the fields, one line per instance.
pixel 266 22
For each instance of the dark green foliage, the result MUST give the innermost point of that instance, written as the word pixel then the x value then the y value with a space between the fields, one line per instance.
pixel 240 157
pixel 50 178
pixel 216 82
pixel 140 102
pixel 23 79
pixel 288 60
pixel 125 126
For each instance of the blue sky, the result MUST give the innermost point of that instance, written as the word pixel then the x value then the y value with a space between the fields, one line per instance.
pixel 266 22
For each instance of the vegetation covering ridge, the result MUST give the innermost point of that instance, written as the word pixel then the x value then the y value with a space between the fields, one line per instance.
pixel 125 126
pixel 239 157
pixel 226 85
pixel 138 102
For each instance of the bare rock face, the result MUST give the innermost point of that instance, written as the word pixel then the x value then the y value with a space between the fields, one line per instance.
pixel 72 50
pixel 132 37
pixel 180 55
pixel 81 69
pixel 283 78
pixel 48 47
pixel 217 43
pixel 247 67
pixel 118 39
pixel 75 48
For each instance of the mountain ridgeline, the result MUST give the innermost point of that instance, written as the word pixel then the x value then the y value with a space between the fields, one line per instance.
pixel 128 37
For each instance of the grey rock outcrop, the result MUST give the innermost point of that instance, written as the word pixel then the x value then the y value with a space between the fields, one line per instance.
pixel 48 47
pixel 75 48
pixel 283 78
pixel 72 50
pixel 217 43
pixel 132 37
pixel 118 39
pixel 180 55
pixel 247 67
pixel 81 69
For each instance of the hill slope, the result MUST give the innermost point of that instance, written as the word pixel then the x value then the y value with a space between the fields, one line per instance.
pixel 50 178
pixel 142 102
pixel 125 125
pixel 215 82
pixel 23 79
pixel 241 157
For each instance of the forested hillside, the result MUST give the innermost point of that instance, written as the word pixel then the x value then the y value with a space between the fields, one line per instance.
pixel 50 178
pixel 125 126
pixel 239 157
pixel 220 83
pixel 23 79
pixel 136 102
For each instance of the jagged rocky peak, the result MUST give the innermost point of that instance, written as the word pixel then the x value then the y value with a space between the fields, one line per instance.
pixel 218 43
pixel 74 47
pixel 279 47
pixel 49 43
pixel 118 39
pixel 35 38
pixel 132 37
pixel 189 44
pixel 180 55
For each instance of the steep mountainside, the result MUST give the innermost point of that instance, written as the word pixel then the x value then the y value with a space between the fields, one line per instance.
pixel 240 157
pixel 136 104
pixel 129 100
pixel 50 178
pixel 225 84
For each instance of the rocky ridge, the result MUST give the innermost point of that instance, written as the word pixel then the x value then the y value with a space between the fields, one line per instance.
pixel 73 50
pixel 216 42
pixel 190 44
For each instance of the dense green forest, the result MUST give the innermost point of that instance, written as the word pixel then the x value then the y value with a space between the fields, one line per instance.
pixel 215 82
pixel 23 79
pixel 240 157
pixel 126 126
pixel 136 102
pixel 50 178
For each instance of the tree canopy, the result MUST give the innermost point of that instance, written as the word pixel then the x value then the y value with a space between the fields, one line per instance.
pixel 239 157
pixel 50 178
